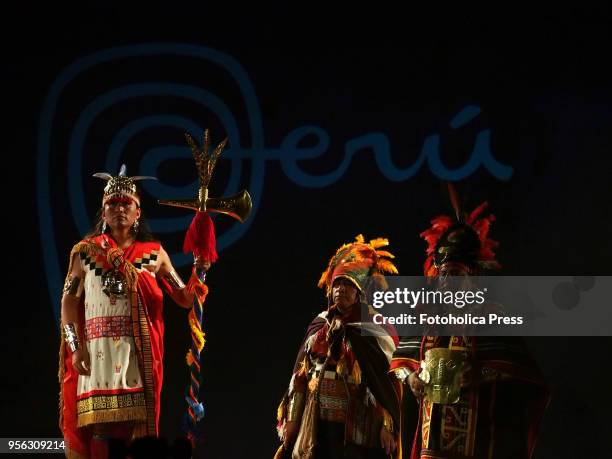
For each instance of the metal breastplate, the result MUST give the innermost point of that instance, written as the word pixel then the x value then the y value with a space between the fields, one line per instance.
pixel 441 372
pixel 114 284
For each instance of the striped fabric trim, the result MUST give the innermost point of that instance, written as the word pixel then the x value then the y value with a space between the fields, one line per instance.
pixel 142 341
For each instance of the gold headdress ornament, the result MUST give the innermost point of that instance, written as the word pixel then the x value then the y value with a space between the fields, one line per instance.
pixel 237 206
pixel 121 185
pixel 359 262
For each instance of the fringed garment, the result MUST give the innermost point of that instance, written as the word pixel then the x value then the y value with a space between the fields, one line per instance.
pixel 354 394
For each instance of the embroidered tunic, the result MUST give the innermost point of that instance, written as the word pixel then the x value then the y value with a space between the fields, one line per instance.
pixel 124 337
pixel 115 389
pixel 497 416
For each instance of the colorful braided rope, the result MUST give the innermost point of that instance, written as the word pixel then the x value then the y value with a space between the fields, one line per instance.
pixel 195 408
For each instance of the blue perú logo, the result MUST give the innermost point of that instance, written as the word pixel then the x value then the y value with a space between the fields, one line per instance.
pixel 257 153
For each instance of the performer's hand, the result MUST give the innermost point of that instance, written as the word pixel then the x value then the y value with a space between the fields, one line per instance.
pixel 334 328
pixel 291 432
pixel 387 440
pixel 200 263
pixel 469 377
pixel 81 361
pixel 416 385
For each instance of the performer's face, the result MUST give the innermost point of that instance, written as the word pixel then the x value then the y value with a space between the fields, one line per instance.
pixel 454 276
pixel 454 269
pixel 120 213
pixel 344 293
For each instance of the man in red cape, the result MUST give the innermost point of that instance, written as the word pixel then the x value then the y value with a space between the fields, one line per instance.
pixel 503 395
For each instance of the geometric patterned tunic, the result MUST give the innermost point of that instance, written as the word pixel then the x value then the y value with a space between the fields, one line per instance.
pixel 114 391
pixel 124 337
pixel 497 417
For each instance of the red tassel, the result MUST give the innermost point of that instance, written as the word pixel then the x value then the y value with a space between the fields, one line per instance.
pixel 200 238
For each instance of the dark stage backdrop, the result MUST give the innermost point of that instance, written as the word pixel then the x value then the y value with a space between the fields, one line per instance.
pixel 333 137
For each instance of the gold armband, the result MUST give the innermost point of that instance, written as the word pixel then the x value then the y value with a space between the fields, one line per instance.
pixel 174 280
pixel 296 406
pixel 73 286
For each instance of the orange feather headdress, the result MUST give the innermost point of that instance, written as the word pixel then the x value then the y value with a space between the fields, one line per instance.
pixel 359 262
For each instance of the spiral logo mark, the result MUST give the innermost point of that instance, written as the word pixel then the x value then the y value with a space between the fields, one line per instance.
pixel 81 153
pixel 109 114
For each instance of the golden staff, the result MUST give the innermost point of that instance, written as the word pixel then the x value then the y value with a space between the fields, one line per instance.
pixel 200 239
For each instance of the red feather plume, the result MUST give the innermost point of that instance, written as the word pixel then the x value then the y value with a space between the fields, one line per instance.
pixel 481 225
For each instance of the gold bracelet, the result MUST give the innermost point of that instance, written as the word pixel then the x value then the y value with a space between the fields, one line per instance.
pixel 387 421
pixel 71 338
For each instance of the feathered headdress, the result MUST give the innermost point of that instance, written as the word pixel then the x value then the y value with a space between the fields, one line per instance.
pixel 359 262
pixel 121 185
pixel 463 238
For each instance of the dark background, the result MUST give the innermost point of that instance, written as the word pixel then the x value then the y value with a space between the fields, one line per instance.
pixel 542 82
